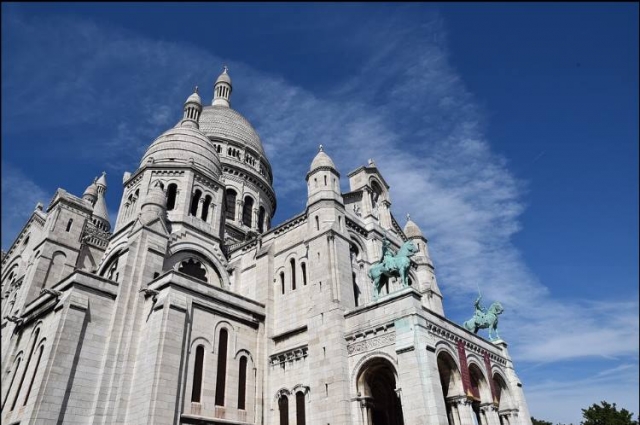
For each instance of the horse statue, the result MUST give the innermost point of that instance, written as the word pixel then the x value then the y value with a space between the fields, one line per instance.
pixel 392 265
pixel 483 319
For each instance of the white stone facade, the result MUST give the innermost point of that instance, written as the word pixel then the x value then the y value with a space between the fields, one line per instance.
pixel 192 309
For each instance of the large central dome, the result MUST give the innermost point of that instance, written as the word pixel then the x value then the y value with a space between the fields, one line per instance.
pixel 222 122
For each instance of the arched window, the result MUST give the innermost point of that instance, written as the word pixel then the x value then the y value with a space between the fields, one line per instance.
pixel 222 367
pixel 26 368
pixel 261 214
pixel 293 273
pixel 196 389
pixel 300 413
pixel 247 210
pixel 376 193
pixel 231 204
pixel 56 268
pixel 194 202
pixel 193 268
pixel 242 384
pixel 33 377
pixel 15 372
pixel 110 268
pixel 172 191
pixel 205 207
pixel 303 269
pixel 283 406
pixel 69 223
pixel 282 281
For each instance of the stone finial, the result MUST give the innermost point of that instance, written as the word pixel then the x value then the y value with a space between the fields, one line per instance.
pixel 320 148
pixel 195 90
pixel 39 206
pixel 408 217
pixel 225 68
pixel 371 163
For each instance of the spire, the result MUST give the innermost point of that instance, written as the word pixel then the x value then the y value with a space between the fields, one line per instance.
pixel 192 110
pixel 222 89
pixel 100 213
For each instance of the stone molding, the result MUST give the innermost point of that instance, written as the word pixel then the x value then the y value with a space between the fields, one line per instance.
pixel 452 337
pixel 291 355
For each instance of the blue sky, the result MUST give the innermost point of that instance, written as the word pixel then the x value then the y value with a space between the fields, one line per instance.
pixel 508 131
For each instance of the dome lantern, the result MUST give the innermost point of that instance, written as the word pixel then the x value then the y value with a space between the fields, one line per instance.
pixel 222 89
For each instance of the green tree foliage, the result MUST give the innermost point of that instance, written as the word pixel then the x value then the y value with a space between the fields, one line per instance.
pixel 535 421
pixel 607 414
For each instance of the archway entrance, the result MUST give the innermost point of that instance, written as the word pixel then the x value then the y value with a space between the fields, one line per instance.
pixel 377 388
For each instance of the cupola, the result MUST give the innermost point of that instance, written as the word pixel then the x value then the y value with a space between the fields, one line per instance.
pixel 222 89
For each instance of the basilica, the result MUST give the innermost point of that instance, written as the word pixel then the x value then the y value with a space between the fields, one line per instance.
pixel 192 307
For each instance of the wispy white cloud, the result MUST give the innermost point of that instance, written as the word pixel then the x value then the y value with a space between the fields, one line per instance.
pixel 19 198
pixel 407 108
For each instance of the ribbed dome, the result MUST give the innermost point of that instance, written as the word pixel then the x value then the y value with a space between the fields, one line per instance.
pixel 181 144
pixel 411 230
pixel 225 123
pixel 322 160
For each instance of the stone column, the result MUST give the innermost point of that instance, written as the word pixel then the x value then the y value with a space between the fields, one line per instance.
pixel 239 205
pixel 210 215
pixel 199 210
pixel 254 221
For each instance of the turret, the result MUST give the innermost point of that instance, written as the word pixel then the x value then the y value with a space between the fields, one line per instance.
pixel 222 89
pixel 91 193
pixel 426 285
pixel 323 180
pixel 192 110
pixel 100 213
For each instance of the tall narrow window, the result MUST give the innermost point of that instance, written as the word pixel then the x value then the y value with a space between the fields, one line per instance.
pixel 282 281
pixel 300 413
pixel 194 202
pixel 303 269
pixel 222 367
pixel 317 223
pixel 69 223
pixel 231 204
pixel 205 207
pixel 293 274
pixel 261 214
pixel 196 389
pixel 172 192
pixel 283 406
pixel 15 372
pixel 33 377
pixel 247 210
pixel 26 368
pixel 242 384
pixel 356 289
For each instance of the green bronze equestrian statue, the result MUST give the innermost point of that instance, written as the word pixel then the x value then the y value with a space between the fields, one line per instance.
pixel 483 319
pixel 392 265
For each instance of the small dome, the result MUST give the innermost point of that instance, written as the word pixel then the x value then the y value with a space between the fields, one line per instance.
pixel 92 190
pixel 183 145
pixel 224 77
pixel 411 229
pixel 194 98
pixel 322 160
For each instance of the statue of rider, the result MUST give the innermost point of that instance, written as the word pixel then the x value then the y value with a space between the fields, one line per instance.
pixel 480 310
pixel 387 254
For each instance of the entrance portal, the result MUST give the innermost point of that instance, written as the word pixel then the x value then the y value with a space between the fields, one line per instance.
pixel 377 387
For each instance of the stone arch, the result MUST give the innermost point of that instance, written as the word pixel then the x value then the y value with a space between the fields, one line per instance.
pixel 231 335
pixel 244 352
pixel 504 397
pixel 56 269
pixel 194 263
pixel 480 376
pixel 201 340
pixel 377 391
pixel 13 267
